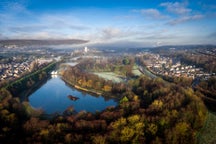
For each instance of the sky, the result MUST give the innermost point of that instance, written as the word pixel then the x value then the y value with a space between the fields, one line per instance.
pixel 117 23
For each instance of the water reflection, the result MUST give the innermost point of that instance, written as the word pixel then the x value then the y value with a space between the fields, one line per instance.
pixel 52 97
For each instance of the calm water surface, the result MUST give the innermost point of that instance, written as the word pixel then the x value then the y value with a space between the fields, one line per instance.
pixel 52 97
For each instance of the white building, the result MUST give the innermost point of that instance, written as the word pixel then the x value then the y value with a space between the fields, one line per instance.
pixel 86 49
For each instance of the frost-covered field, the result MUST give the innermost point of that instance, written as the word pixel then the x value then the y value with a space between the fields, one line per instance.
pixel 136 71
pixel 109 76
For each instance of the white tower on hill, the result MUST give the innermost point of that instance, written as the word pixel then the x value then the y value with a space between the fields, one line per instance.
pixel 86 49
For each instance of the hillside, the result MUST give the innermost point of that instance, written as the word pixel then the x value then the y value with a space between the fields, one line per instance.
pixel 26 42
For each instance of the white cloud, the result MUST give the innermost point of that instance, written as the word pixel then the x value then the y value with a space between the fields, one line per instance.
pixel 181 11
pixel 62 21
pixel 176 7
pixel 122 44
pixel 109 33
pixel 152 13
pixel 14 7
pixel 2 37
pixel 39 35
pixel 44 26
pixel 27 28
pixel 185 19
pixel 212 35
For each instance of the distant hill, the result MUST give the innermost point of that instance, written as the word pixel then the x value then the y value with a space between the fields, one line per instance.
pixel 26 42
pixel 182 47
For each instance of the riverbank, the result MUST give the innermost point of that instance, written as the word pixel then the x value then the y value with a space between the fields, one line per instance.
pixel 24 95
pixel 28 81
pixel 87 90
pixel 47 68
pixel 81 88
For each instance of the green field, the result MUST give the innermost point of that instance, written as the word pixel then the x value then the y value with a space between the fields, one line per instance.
pixel 208 133
pixel 110 76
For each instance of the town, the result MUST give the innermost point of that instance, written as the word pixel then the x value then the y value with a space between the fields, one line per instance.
pixel 167 66
pixel 25 61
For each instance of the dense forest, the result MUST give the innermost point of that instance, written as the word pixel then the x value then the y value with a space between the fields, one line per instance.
pixel 208 89
pixel 149 111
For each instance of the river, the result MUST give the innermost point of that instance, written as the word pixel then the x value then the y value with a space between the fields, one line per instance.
pixel 52 97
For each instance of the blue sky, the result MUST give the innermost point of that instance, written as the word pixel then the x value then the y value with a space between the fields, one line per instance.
pixel 133 23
